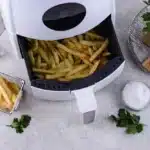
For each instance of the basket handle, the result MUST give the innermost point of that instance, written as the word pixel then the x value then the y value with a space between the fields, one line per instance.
pixel 86 103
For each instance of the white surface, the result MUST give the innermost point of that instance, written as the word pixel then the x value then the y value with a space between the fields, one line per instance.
pixel 57 125
pixel 136 95
pixel 25 17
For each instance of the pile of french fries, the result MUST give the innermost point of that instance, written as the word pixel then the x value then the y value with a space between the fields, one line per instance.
pixel 68 59
pixel 8 94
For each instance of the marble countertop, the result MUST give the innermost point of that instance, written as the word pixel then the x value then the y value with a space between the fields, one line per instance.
pixel 58 126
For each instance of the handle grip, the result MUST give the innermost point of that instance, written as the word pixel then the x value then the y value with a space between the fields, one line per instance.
pixel 86 103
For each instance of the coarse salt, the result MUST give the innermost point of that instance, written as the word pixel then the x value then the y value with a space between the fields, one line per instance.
pixel 136 95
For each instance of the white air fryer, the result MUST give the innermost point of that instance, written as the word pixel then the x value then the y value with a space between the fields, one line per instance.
pixel 59 19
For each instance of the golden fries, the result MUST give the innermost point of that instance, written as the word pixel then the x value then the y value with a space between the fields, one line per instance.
pixel 94 67
pixel 43 71
pixel 77 76
pixel 95 36
pixel 106 54
pixel 81 55
pixel 68 59
pixel 54 76
pixel 99 51
pixel 38 63
pixel 30 53
pixel 91 43
pixel 77 69
pixel 43 55
pixel 8 93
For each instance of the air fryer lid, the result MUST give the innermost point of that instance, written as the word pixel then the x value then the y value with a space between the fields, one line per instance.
pixel 105 29
pixel 41 20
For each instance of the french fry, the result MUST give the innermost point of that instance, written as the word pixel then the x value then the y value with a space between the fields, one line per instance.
pixel 56 57
pixel 43 65
pixel 38 64
pixel 13 98
pixel 94 67
pixel 80 37
pixel 4 105
pixel 63 53
pixel 13 87
pixel 106 54
pixel 99 51
pixel 55 76
pixel 65 70
pixel 55 53
pixel 70 59
pixel 30 53
pixel 76 43
pixel 73 39
pixel 5 95
pixel 68 64
pixel 71 45
pixel 81 55
pixel 90 51
pixel 91 43
pixel 44 46
pixel 5 87
pixel 94 48
pixel 59 54
pixel 61 65
pixel 86 62
pixel 77 76
pixel 87 37
pixel 63 79
pixel 77 62
pixel 43 55
pixel 43 71
pixel 77 69
pixel 104 61
pixel 95 36
pixel 52 62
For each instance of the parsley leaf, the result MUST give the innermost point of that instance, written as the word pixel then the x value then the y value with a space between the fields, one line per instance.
pixel 129 121
pixel 139 128
pixel 25 120
pixel 122 123
pixel 131 129
pixel 146 16
pixel 20 124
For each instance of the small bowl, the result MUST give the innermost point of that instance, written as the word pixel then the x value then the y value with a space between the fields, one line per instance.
pixel 129 105
pixel 20 83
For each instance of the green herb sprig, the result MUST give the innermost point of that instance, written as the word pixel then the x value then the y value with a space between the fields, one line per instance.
pixel 20 124
pixel 146 19
pixel 129 121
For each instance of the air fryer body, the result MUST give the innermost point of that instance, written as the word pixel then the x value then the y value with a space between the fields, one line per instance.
pixel 34 19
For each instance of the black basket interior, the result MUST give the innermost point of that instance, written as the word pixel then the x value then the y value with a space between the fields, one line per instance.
pixel 105 29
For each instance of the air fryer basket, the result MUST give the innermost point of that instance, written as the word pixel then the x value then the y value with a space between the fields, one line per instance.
pixel 105 29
